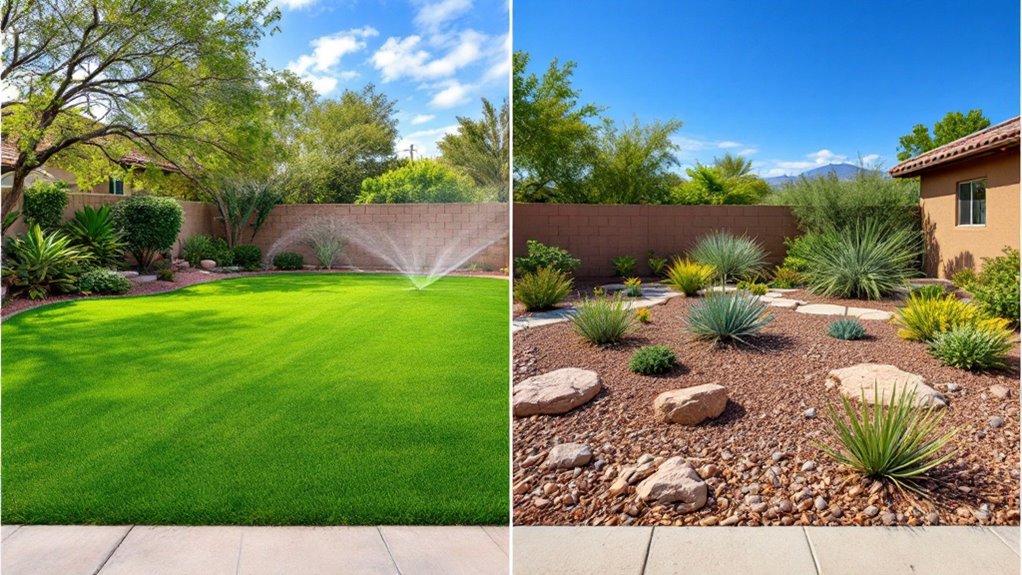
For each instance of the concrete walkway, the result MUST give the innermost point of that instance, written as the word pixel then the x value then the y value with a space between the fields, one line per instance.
pixel 135 550
pixel 767 550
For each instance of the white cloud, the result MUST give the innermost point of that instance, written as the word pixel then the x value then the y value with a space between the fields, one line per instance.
pixel 433 15
pixel 454 94
pixel 405 58
pixel 424 141
pixel 870 159
pixel 748 151
pixel 728 144
pixel 422 119
pixel 321 66
pixel 825 156
pixel 294 4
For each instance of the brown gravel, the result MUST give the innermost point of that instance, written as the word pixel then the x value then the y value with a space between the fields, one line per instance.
pixel 770 388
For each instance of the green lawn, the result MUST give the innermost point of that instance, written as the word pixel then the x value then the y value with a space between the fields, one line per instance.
pixel 310 399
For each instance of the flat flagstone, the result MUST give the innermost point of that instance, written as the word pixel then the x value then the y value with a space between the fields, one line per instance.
pixel 1009 534
pixel 581 550
pixel 176 550
pixel 59 549
pixel 501 535
pixel 449 550
pixel 8 530
pixel 313 551
pixel 730 551
pixel 941 550
pixel 785 303
pixel 542 318
pixel 832 309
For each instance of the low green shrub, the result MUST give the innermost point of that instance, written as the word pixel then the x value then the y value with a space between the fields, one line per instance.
pixel 633 287
pixel 923 319
pixel 93 231
pixel 732 257
pixel 149 225
pixel 965 279
pixel 786 278
pixel 44 204
pixel 846 328
pixel 623 265
pixel 288 261
pixel 165 275
pixel 753 287
pixel 996 289
pixel 38 264
pixel 542 256
pixel 196 248
pixel 689 277
pixel 603 321
pixel 220 252
pixel 248 256
pixel 542 289
pixel 657 265
pixel 928 291
pixel 972 348
pixel 652 359
pixel 797 248
pixel 728 317
pixel 103 281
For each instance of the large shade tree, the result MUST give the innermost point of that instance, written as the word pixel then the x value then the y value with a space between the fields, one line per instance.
pixel 480 149
pixel 954 125
pixel 633 164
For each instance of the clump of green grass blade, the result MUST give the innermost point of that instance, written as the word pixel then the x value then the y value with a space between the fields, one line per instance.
pixel 603 321
pixel 728 317
pixel 898 442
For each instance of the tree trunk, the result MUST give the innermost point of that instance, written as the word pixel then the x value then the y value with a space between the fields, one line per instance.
pixel 12 198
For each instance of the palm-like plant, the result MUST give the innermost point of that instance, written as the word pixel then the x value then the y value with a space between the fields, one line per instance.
pixel 93 231
pixel 242 202
pixel 37 263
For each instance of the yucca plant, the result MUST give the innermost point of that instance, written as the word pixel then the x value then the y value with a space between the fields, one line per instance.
pixel 728 317
pixel 92 229
pixel 846 328
pixel 689 277
pixel 732 257
pixel 542 289
pixel 37 263
pixel 898 442
pixel 603 321
pixel 923 318
pixel 972 348
pixel 866 260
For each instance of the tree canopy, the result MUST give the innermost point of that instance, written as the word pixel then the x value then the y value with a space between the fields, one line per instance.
pixel 954 125
pixel 480 149
pixel 728 181
pixel 632 165
pixel 421 181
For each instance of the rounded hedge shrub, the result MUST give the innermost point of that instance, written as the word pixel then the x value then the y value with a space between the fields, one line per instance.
pixel 150 225
pixel 44 204
pixel 544 256
pixel 972 348
pixel 652 359
pixel 247 256
pixel 102 281
pixel 288 261
pixel 220 252
pixel 847 329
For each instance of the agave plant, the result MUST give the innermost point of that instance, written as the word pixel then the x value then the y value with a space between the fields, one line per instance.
pixel 93 231
pixel 728 317
pixel 37 264
pixel 732 257
pixel 846 328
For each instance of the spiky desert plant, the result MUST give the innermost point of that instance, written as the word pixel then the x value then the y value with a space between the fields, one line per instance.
pixel 657 265
pixel 972 348
pixel 689 277
pixel 603 321
pixel 753 287
pixel 728 317
pixel 929 291
pixel 542 289
pixel 732 257
pixel 898 442
pixel 846 328
pixel 923 319
pixel 92 230
pixel 37 263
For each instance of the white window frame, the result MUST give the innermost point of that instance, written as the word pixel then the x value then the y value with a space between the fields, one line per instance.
pixel 972 200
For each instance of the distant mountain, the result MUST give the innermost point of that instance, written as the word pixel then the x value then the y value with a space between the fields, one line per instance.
pixel 842 171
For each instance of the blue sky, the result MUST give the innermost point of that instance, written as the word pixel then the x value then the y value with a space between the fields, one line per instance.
pixel 437 58
pixel 790 85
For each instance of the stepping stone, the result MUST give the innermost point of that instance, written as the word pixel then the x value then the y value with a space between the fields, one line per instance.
pixel 675 482
pixel 555 392
pixel 568 456
pixel 145 279
pixel 771 295
pixel 129 274
pixel 785 303
pixel 856 382
pixel 691 405
pixel 832 309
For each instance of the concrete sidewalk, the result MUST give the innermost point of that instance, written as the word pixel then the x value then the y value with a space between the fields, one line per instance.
pixel 135 550
pixel 767 550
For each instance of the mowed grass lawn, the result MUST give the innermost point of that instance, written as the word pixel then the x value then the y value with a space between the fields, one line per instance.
pixel 306 399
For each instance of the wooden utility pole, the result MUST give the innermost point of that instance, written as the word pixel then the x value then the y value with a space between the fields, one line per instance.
pixel 411 152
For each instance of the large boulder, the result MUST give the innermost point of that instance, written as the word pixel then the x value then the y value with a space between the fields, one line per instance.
pixel 555 392
pixel 207 264
pixel 675 482
pixel 569 455
pixel 691 405
pixel 856 382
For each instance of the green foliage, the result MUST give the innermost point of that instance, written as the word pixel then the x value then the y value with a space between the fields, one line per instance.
pixel 103 281
pixel 242 202
pixel 45 203
pixel 954 125
pixel 732 257
pixel 996 289
pixel 288 261
pixel 543 256
pixel 896 442
pixel 846 328
pixel 326 239
pixel 652 360
pixel 422 181
pixel 753 287
pixel 689 277
pixel 821 204
pixel 38 264
pixel 197 248
pixel 9 218
pixel 633 287
pixel 798 248
pixel 542 289
pixel 972 348
pixel 220 252
pixel 93 231
pixel 727 182
pixel 248 256
pixel 602 321
pixel 929 291
pixel 657 265
pixel 480 149
pixel 965 279
pixel 786 278
pixel 165 274
pixel 149 225
pixel 923 319
pixel 727 317
pixel 866 260
pixel 633 164
pixel 623 265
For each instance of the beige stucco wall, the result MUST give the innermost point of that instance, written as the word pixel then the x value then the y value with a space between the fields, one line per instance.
pixel 949 247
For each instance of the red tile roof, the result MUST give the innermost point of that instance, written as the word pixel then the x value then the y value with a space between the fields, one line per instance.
pixel 9 155
pixel 1003 135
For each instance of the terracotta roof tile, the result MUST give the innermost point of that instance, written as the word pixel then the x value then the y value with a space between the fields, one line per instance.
pixel 1003 134
pixel 9 154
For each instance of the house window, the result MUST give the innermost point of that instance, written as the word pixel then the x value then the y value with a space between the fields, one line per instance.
pixel 116 187
pixel 972 203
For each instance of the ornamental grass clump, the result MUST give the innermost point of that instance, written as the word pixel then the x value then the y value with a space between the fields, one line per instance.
pixel 753 287
pixel 652 360
pixel 846 329
pixel 898 442
pixel 542 289
pixel 602 321
pixel 689 277
pixel 923 318
pixel 732 257
pixel 728 317
pixel 972 348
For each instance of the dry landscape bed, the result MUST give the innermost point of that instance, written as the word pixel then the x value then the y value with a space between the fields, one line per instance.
pixel 759 457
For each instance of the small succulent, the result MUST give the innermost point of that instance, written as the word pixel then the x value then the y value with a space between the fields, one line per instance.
pixel 847 329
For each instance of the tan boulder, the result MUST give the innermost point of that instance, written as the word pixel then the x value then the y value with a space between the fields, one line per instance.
pixel 675 482
pixel 691 405
pixel 555 392
pixel 569 455
pixel 857 381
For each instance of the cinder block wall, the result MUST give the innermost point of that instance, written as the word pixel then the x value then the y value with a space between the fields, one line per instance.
pixel 598 233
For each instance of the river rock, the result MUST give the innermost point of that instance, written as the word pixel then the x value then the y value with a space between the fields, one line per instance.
pixel 691 405
pixel 555 392
pixel 207 264
pixel 569 455
pixel 675 482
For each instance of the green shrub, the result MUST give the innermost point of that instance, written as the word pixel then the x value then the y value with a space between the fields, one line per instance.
pixel 846 328
pixel 689 277
pixel 37 263
pixel 657 265
pixel 928 291
pixel 824 203
pixel 753 287
pixel 93 231
pixel 288 261
pixel 965 279
pixel 603 321
pixel 923 319
pixel 796 250
pixel 896 442
pixel 732 257
pixel 996 289
pixel 422 181
pixel 247 256
pixel 165 275
pixel 633 287
pixel 868 260
pixel 103 281
pixel 542 256
pixel 542 289
pixel 623 265
pixel 652 359
pixel 197 248
pixel 326 239
pixel 220 252
pixel 44 204
pixel 728 317
pixel 786 278
pixel 149 224
pixel 972 348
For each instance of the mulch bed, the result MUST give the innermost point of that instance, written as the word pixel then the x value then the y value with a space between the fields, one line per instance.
pixel 770 386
